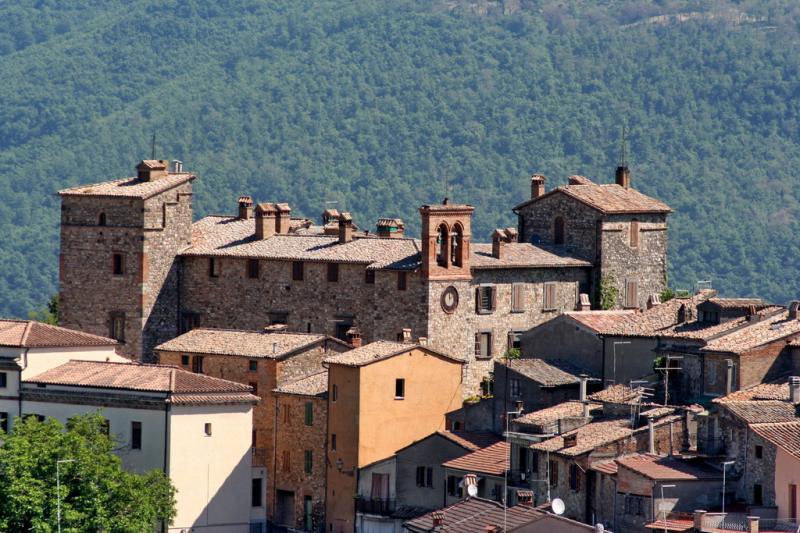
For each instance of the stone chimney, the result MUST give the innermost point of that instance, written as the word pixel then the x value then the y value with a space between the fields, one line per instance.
pixel 570 440
pixel 498 239
pixel 511 234
pixel 283 219
pixel 583 302
pixel 245 207
pixel 623 177
pixel 653 300
pixel 390 228
pixel 728 377
pixel 330 215
pixel 584 379
pixel 265 221
pixel 793 308
pixel 537 186
pixel 651 436
pixel 404 335
pixel 345 228
pixel 794 389
pixel 152 169
pixel 354 337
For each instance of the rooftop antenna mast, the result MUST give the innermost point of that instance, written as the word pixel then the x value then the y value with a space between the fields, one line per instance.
pixel 622 155
pixel 446 185
pixel 153 146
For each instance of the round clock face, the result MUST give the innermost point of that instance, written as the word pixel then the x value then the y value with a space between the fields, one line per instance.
pixel 450 299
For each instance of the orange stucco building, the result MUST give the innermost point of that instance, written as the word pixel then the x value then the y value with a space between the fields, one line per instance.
pixel 381 397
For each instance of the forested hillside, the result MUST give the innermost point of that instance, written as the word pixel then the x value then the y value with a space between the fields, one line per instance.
pixel 374 105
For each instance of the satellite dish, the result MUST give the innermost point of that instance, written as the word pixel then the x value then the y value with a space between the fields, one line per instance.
pixel 558 506
pixel 472 490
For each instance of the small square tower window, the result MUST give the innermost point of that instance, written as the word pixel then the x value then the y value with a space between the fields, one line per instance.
pixel 252 268
pixel 117 264
pixel 333 272
pixel 253 366
pixel 213 267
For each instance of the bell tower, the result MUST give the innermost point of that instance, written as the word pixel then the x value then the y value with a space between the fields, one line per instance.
pixel 445 240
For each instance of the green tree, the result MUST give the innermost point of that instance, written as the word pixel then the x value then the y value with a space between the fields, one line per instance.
pixel 48 315
pixel 608 292
pixel 96 493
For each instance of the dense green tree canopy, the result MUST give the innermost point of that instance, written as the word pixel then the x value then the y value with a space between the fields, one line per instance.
pixel 372 106
pixel 96 493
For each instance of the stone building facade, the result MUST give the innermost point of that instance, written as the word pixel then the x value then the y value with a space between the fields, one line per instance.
pixel 263 266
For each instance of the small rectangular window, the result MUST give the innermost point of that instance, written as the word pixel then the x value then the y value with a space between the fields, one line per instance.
pixel 197 364
pixel 136 435
pixel 3 380
pixel 369 277
pixel 189 321
pixel 549 302
pixel 399 389
pixel 255 494
pixel 308 461
pixel 574 477
pixel 513 388
pixel 333 442
pixel 759 452
pixel 420 476
pixel 118 326
pixel 553 474
pixel 309 418
pixel 185 360
pixel 297 271
pixel 118 264
pixel 758 494
pixel 254 386
pixel 207 429
pixel 334 392
pixel 452 482
pixel 483 345
pixel 252 268
pixel 253 366
pixel 429 477
pixel 333 272
pixel 485 299
pixel 517 297
pixel 213 267
pixel 402 281
pixel 4 422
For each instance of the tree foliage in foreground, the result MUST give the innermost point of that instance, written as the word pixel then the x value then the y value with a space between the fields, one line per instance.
pixel 96 493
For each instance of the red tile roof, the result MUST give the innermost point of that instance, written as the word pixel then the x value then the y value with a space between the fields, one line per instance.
pixel 769 329
pixel 522 255
pixel 607 198
pixel 379 350
pixel 182 386
pixel 313 385
pixel 547 372
pixel 785 435
pixel 471 440
pixel 492 460
pixel 130 187
pixel 606 467
pixel 32 334
pixel 650 322
pixel 473 515
pixel 660 468
pixel 260 344
pixel 598 321
pixel 553 414
pixel 762 391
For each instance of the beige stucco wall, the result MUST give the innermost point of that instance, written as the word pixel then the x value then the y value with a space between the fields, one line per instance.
pixel 787 471
pixel 42 359
pixel 211 473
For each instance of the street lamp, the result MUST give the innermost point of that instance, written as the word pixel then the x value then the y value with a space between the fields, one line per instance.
pixel 661 503
pixel 614 349
pixel 726 463
pixel 58 488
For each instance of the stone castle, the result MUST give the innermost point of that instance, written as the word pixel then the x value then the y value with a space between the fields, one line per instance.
pixel 134 266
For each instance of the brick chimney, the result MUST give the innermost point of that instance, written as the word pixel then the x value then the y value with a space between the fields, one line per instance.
pixel 537 186
pixel 345 228
pixel 330 215
pixel 283 218
pixel 623 177
pixel 245 207
pixel 265 220
pixel 498 239
pixel 152 169
pixel 525 497
pixel 390 228
pixel 570 440
pixel 354 337
pixel 438 519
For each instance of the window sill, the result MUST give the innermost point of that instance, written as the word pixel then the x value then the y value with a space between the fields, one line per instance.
pixel 549 310
pixel 517 311
pixel 485 311
pixel 399 397
pixel 483 357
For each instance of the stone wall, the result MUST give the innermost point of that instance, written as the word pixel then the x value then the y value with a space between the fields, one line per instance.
pixel 564 338
pixel 537 224
pixel 454 333
pixel 429 453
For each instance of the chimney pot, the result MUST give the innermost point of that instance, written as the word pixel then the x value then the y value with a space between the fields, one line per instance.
pixel 584 379
pixel 404 335
pixel 177 166
pixel 583 302
pixel 498 239
pixel 653 300
pixel 537 186
pixel 623 177
pixel 390 228
pixel 354 336
pixel 265 220
pixel 283 218
pixel 151 169
pixel 245 207
pixel 438 518
pixel 345 228
pixel 794 389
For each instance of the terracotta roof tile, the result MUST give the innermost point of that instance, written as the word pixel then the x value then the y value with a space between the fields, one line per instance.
pixel 32 334
pixel 146 378
pixel 230 236
pixel 471 440
pixel 762 411
pixel 550 415
pixel 474 515
pixel 769 329
pixel 762 391
pixel 598 321
pixel 548 373
pixel 617 394
pixel 313 385
pixel 130 187
pixel 522 255
pixel 379 350
pixel 608 198
pixel 649 322
pixel 738 303
pixel 242 343
pixel 606 467
pixel 785 435
pixel 667 468
pixel 492 460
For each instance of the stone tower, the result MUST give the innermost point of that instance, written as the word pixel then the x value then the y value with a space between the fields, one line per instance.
pixel 118 274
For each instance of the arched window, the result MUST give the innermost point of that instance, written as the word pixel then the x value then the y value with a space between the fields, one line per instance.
pixel 558 234
pixel 101 221
pixel 442 245
pixel 457 245
pixel 634 233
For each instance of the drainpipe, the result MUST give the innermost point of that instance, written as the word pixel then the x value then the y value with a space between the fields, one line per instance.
pixel 166 447
pixel 728 377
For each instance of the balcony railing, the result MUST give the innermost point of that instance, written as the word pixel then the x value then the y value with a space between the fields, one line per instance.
pixel 377 506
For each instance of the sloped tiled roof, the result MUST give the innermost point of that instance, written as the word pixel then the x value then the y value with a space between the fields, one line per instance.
pixel 667 468
pixel 379 350
pixel 522 255
pixel 618 393
pixel 492 460
pixel 552 414
pixel 547 372
pixel 606 467
pixel 471 440
pixel 762 411
pixel 738 303
pixel 608 198
pixel 242 343
pixel 197 388
pixel 649 322
pixel 769 329
pixel 474 515
pixel 313 385
pixel 598 321
pixel 762 391
pixel 785 435
pixel 32 334
pixel 130 187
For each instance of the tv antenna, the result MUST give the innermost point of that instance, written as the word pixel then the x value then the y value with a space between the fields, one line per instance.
pixel 153 146
pixel 622 150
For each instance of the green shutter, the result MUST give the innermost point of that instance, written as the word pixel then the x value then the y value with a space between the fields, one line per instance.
pixel 309 413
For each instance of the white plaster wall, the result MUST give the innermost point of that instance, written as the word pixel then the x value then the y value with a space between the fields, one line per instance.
pixel 212 473
pixel 42 359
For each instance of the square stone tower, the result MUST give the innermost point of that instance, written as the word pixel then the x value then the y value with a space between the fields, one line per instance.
pixel 118 275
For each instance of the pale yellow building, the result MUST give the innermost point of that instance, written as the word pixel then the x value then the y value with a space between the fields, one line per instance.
pixel 381 397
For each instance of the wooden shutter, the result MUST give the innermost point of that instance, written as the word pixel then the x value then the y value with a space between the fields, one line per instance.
pixel 493 294
pixel 517 297
pixel 631 294
pixel 634 234
pixel 478 344
pixel 549 295
pixel 477 299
